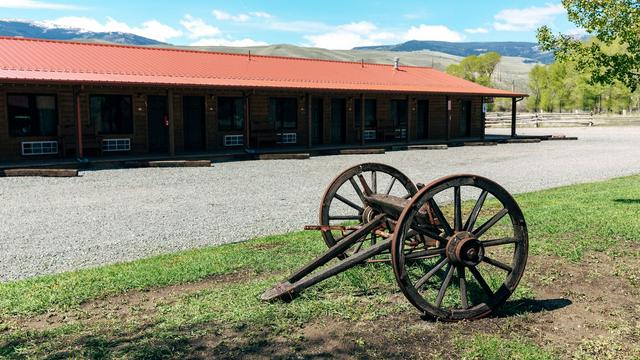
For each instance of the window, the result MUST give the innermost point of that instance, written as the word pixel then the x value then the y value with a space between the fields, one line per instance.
pixel 283 113
pixel 112 114
pixel 399 113
pixel 370 106
pixel 230 113
pixel 32 115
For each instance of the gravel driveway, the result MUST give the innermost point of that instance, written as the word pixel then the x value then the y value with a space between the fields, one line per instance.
pixel 50 225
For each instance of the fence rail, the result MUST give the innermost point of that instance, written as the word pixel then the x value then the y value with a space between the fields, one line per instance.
pixel 539 119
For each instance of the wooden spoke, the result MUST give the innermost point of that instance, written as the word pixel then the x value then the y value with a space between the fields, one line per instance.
pixel 390 187
pixel 424 254
pixel 457 206
pixel 471 221
pixel 349 202
pixel 463 287
pixel 374 182
pixel 357 189
pixel 483 284
pixel 423 280
pixel 486 226
pixel 445 284
pixel 443 221
pixel 497 264
pixel 345 217
pixel 498 242
pixel 365 186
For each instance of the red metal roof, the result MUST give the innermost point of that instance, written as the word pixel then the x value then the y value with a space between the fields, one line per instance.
pixel 73 62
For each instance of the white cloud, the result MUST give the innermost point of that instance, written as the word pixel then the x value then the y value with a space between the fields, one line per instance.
pixel 365 33
pixel 198 28
pixel 152 29
pixel 479 30
pixel 433 32
pixel 225 16
pixel 261 14
pixel 526 19
pixel 300 26
pixel 226 42
pixel 33 4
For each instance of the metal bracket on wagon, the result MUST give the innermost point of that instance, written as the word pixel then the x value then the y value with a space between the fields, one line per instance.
pixel 457 246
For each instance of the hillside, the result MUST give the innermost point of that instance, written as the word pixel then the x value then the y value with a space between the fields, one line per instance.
pixel 527 50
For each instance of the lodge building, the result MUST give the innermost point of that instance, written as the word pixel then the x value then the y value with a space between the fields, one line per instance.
pixel 76 100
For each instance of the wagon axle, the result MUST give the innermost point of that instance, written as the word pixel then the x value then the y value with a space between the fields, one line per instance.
pixel 428 233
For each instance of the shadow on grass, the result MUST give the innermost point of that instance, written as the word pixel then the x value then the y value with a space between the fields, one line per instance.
pixel 627 201
pixel 530 306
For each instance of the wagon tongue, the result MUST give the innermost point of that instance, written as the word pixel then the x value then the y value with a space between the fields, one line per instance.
pixel 390 205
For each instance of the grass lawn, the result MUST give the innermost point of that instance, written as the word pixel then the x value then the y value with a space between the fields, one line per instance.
pixel 580 299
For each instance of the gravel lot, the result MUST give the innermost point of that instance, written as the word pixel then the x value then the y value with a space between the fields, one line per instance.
pixel 51 225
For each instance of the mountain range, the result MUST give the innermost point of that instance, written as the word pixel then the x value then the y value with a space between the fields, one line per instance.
pixel 30 29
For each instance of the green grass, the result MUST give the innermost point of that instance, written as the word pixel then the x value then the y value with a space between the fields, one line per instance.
pixel 491 347
pixel 568 222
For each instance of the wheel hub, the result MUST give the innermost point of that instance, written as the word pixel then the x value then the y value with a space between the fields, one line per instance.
pixel 464 249
pixel 368 214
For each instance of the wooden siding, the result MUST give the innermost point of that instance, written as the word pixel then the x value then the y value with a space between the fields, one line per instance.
pixel 262 133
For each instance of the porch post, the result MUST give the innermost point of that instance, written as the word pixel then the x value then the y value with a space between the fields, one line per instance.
pixel 448 119
pixel 79 139
pixel 309 120
pixel 410 124
pixel 513 117
pixel 247 121
pixel 362 118
pixel 172 125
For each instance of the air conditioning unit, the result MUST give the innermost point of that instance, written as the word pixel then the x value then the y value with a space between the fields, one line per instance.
pixel 233 140
pixel 369 134
pixel 115 145
pixel 288 138
pixel 39 148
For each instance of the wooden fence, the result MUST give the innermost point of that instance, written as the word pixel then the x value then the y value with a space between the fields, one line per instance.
pixel 540 119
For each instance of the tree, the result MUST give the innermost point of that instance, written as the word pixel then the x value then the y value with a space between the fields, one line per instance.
pixel 478 69
pixel 613 54
pixel 538 84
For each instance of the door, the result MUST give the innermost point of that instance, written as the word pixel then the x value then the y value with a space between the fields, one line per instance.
pixel 158 119
pixel 422 121
pixel 194 130
pixel 338 120
pixel 317 117
pixel 464 120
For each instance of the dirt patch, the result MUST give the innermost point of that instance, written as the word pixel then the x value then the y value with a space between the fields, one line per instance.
pixel 140 302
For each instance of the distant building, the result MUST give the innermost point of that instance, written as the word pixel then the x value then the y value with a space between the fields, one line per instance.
pixel 69 99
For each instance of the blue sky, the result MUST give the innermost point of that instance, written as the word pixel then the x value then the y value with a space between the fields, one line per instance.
pixel 328 23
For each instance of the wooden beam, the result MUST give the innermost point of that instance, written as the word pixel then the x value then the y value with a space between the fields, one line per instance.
pixel 309 120
pixel 79 138
pixel 247 120
pixel 362 118
pixel 513 116
pixel 410 123
pixel 172 125
pixel 448 106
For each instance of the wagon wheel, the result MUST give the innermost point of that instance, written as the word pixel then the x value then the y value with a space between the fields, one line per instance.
pixel 481 250
pixel 343 203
